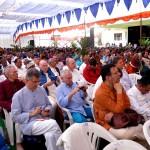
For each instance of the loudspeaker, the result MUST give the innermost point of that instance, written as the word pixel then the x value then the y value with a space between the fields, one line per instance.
pixel 31 43
pixel 92 37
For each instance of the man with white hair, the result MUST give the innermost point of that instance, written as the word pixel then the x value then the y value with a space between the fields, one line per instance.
pixel 72 96
pixel 71 65
pixel 47 78
pixel 9 86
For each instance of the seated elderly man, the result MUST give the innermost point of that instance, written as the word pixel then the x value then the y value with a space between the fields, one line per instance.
pixel 139 96
pixel 111 99
pixel 47 78
pixel 71 66
pixel 70 95
pixel 9 86
pixel 31 109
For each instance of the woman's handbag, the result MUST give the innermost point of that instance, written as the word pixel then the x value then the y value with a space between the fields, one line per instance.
pixel 128 118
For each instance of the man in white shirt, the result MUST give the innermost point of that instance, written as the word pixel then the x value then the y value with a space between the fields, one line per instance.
pixel 71 65
pixel 139 96
pixel 20 69
pixel 85 62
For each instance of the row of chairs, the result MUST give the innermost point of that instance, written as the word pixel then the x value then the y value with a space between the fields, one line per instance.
pixel 91 136
pixel 91 130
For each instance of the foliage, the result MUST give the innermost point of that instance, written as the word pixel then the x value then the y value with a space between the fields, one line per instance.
pixel 85 43
pixel 145 42
pixel 74 45
pixel 55 44
pixel 16 48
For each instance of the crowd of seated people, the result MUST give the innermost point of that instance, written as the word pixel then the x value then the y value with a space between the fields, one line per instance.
pixel 53 78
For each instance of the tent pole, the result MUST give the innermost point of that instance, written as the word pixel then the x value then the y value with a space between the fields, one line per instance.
pixel 84 26
pixel 140 29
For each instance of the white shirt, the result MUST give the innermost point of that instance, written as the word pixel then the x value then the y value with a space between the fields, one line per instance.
pixel 2 78
pixel 21 72
pixel 139 102
pixel 76 76
pixel 125 80
pixel 97 85
pixel 82 67
pixel 54 71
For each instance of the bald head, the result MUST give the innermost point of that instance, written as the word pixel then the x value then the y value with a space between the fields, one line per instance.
pixel 66 77
pixel 70 62
pixel 43 65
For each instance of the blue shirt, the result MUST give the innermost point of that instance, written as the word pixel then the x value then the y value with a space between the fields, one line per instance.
pixel 77 101
pixel 25 101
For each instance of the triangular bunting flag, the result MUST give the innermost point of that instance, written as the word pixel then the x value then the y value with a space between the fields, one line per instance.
pixel 94 9
pixel 26 25
pixel 21 27
pixel 78 13
pixel 36 23
pixel 43 22
pixel 128 3
pixel 59 18
pixel 50 21
pixel 109 6
pixel 146 2
pixel 85 9
pixel 101 5
pixel 31 24
pixel 68 16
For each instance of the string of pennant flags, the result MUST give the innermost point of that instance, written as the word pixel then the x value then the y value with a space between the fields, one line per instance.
pixel 77 13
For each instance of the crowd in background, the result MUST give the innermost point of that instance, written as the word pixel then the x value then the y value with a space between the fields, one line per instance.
pixel 68 74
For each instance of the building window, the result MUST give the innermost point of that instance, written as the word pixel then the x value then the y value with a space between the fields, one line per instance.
pixel 118 36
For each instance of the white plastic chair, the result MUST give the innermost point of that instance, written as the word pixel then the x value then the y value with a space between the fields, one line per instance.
pixel 124 145
pixel 10 126
pixel 134 77
pixel 84 136
pixel 70 119
pixel 146 130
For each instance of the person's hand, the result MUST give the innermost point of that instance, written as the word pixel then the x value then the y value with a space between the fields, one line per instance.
pixel 45 113
pixel 49 83
pixel 75 90
pixel 35 112
pixel 82 87
pixel 118 87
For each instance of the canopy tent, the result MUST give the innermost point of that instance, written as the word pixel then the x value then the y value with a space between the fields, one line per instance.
pixel 30 17
pixel 15 12
pixel 89 14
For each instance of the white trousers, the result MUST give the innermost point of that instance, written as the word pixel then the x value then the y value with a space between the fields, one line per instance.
pixel 51 131
pixel 128 133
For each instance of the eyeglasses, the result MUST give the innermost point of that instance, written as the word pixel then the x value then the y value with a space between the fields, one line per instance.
pixel 35 81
